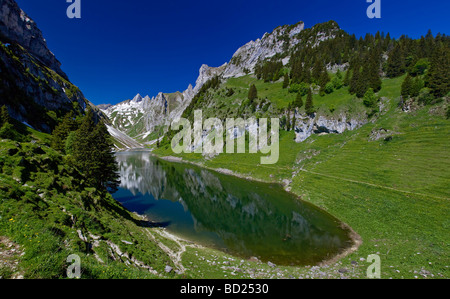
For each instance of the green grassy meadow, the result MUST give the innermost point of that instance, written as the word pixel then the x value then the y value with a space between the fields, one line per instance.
pixel 394 192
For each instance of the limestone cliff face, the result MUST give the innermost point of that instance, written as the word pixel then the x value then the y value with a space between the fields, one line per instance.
pixel 146 119
pixel 206 73
pixel 310 125
pixel 281 40
pixel 16 26
pixel 33 86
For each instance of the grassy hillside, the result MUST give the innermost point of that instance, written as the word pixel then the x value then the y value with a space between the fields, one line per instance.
pixel 49 212
pixel 393 191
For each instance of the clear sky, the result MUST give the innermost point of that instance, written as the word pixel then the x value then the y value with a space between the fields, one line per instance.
pixel 120 48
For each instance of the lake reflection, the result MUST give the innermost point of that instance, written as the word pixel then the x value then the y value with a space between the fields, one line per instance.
pixel 238 216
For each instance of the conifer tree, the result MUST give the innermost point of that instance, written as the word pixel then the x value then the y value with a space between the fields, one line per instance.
pixel 62 131
pixel 4 116
pixel 407 86
pixel 309 105
pixel 288 120
pixel 83 147
pixel 395 63
pixel 347 77
pixel 283 121
pixel 294 121
pixel 324 78
pixel 297 71
pixel 316 71
pixel 7 130
pixel 306 75
pixel 438 76
pixel 373 74
pixel 298 102
pixel 358 83
pixel 93 155
pixel 286 81
pixel 106 168
pixel 252 93
pixel 354 80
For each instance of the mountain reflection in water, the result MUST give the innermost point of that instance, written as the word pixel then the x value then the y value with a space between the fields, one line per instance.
pixel 238 216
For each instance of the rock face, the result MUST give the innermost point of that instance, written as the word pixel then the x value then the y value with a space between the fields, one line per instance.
pixel 140 117
pixel 206 72
pixel 16 26
pixel 32 85
pixel 146 119
pixel 307 126
pixel 246 58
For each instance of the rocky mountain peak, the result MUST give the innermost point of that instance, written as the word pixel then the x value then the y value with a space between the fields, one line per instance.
pixel 164 108
pixel 245 59
pixel 137 98
pixel 206 73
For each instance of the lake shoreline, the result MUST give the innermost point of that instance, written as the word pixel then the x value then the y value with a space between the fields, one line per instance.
pixel 352 234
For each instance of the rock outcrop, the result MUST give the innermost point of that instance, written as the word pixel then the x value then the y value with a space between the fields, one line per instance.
pixel 281 40
pixel 16 26
pixel 206 73
pixel 33 86
pixel 146 119
pixel 309 125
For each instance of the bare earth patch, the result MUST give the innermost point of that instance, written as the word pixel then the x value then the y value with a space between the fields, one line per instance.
pixel 10 253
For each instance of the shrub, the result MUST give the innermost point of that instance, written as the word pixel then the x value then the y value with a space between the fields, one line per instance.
pixel 332 108
pixel 369 98
pixel 294 88
pixel 426 96
pixel 329 88
pixel 420 67
pixel 8 131
pixel 337 83
pixel 301 88
pixel 230 92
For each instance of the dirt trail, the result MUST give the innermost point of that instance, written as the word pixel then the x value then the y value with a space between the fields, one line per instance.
pixel 175 256
pixel 10 253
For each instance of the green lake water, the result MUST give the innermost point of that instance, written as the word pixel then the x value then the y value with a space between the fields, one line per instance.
pixel 241 217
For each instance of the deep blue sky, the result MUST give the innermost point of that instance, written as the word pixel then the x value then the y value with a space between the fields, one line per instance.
pixel 120 48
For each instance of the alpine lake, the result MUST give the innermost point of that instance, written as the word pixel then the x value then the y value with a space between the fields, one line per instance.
pixel 240 217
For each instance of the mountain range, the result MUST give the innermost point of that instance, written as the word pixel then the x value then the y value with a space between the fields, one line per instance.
pixel 147 119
